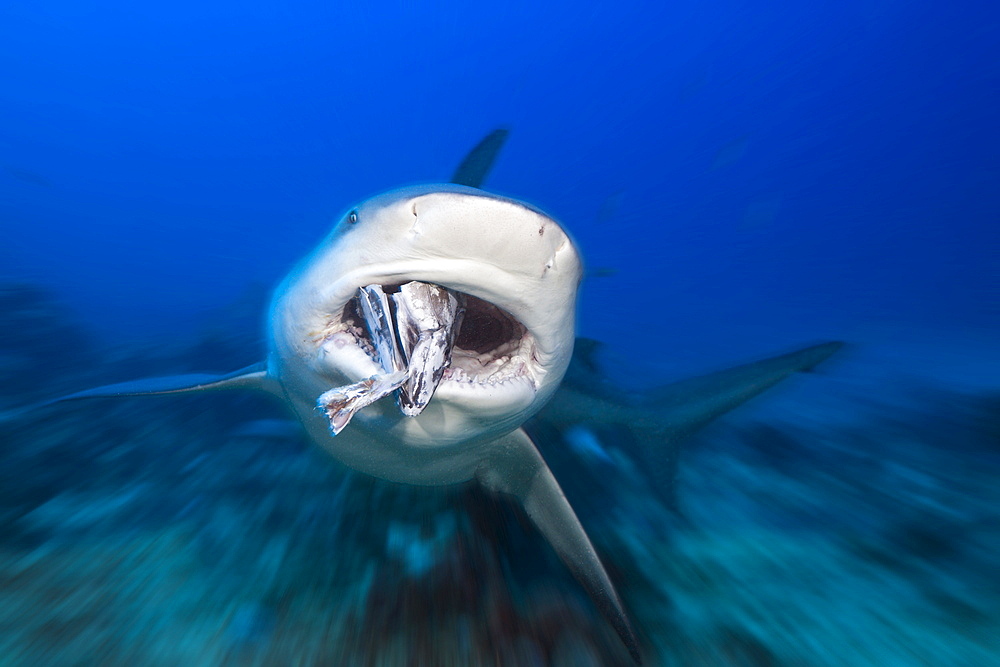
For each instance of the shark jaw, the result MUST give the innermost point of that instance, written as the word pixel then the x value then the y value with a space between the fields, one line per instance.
pixel 516 272
pixel 422 336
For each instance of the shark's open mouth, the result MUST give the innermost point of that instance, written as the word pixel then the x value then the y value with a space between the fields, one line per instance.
pixel 421 335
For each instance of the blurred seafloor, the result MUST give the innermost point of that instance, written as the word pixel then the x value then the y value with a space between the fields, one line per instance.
pixel 828 523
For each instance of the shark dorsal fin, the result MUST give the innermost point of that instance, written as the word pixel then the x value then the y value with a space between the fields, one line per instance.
pixel 477 163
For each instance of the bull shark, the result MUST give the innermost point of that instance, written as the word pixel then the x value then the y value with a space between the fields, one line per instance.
pixel 422 333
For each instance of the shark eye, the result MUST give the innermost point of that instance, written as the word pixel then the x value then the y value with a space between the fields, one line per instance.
pixel 352 217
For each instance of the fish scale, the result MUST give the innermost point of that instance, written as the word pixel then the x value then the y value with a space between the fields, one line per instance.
pixel 413 332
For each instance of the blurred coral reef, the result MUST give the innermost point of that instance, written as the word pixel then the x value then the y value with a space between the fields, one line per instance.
pixel 204 531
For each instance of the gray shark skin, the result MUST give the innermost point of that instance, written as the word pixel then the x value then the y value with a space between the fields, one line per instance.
pixel 517 273
pixel 661 418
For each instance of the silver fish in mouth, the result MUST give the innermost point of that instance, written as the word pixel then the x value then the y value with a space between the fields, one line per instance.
pixel 412 329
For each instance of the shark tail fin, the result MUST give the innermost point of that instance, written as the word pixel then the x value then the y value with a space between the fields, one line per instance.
pixel 665 416
pixel 517 468
pixel 479 161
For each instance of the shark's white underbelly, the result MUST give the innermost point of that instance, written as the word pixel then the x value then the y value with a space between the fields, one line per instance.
pixel 384 443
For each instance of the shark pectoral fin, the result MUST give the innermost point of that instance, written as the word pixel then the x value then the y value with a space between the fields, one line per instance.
pixel 697 401
pixel 517 468
pixel 251 377
pixel 477 164
pixel 665 416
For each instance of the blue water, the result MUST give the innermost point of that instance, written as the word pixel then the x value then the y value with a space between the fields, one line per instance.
pixel 741 177
pixel 769 164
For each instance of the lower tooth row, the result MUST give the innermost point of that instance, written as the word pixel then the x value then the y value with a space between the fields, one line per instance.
pixel 459 375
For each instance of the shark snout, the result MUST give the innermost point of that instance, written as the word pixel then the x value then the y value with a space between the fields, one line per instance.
pixel 505 234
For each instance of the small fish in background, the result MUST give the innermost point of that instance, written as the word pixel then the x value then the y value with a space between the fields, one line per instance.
pixel 602 272
pixel 609 208
pixel 29 177
pixel 731 153
pixel 606 215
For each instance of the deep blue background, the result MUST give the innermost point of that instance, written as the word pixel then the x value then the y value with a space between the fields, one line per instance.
pixel 758 174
